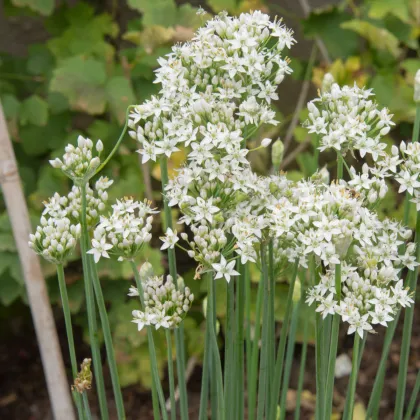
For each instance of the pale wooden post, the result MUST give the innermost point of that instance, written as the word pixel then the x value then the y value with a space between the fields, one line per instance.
pixel 58 387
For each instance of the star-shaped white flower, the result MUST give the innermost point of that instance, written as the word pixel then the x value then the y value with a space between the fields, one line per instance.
pixel 225 269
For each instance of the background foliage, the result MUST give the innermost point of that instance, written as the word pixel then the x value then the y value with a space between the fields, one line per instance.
pixel 99 58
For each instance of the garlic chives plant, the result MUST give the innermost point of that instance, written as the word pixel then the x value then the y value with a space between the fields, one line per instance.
pixel 217 92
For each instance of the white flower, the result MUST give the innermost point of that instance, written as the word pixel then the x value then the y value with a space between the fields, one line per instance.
pixel 99 249
pixel 225 269
pixel 169 240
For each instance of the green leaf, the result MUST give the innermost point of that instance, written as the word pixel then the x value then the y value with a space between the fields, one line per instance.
pixel 82 82
pixel 156 12
pixel 7 242
pixel 34 110
pixel 221 5
pixel 380 8
pixel 327 25
pixel 44 7
pixel 40 61
pixel 378 38
pixel 11 106
pixel 120 95
pixel 411 66
pixel 10 290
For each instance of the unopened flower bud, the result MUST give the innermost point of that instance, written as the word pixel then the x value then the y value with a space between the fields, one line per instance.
pixel 417 87
pixel 277 154
pixel 266 142
pixel 99 146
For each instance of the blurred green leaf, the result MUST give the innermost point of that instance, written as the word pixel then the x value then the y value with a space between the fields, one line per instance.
pixel 10 290
pixel 34 110
pixel 82 81
pixel 120 95
pixel 378 38
pixel 156 12
pixel 11 106
pixel 378 9
pixel 44 7
pixel 221 5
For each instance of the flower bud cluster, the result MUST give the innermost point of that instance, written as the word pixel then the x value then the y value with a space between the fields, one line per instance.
pixel 83 381
pixel 78 163
pixel 124 232
pixel 164 306
pixel 55 239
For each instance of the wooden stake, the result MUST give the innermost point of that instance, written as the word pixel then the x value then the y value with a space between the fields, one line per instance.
pixel 58 387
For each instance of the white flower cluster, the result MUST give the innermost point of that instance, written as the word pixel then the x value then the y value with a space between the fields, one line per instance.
pixel 78 163
pixel 164 306
pixel 346 119
pixel 124 232
pixel 232 67
pixel 55 238
pixel 71 205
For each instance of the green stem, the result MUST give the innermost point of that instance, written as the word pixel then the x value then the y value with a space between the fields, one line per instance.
pixel 179 333
pixel 214 347
pixel 239 345
pixel 252 380
pixel 88 414
pixel 271 319
pixel 112 363
pixel 417 415
pixel 339 166
pixel 213 363
pixel 91 312
pixel 152 350
pixel 155 400
pixel 262 388
pixel 278 370
pixel 413 398
pixel 229 350
pixel 171 374
pixel 205 375
pixel 302 361
pixel 406 338
pixel 69 332
pixel 289 360
pixel 333 348
pixel 353 376
pixel 248 346
pixel 117 144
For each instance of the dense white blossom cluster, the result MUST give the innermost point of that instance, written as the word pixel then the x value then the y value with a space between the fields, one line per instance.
pixel 347 119
pixel 124 232
pixel 79 163
pixel 164 306
pixel 55 238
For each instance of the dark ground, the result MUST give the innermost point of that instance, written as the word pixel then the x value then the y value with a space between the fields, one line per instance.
pixel 23 395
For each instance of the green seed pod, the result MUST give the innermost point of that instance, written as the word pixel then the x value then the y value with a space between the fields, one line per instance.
pixel 277 151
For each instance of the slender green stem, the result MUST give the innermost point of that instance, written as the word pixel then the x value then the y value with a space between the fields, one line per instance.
pixel 406 338
pixel 353 376
pixel 289 360
pixel 413 398
pixel 214 347
pixel 171 374
pixel 262 385
pixel 229 350
pixel 205 375
pixel 88 414
pixel 152 350
pixel 106 329
pixel 69 332
pixel 417 415
pixel 179 333
pixel 117 144
pixel 91 312
pixel 271 326
pixel 339 166
pixel 252 380
pixel 302 361
pixel 213 362
pixel 333 347
pixel 239 344
pixel 155 400
pixel 278 370
pixel 248 346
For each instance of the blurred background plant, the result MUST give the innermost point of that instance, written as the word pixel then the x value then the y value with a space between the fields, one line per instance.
pixel 73 67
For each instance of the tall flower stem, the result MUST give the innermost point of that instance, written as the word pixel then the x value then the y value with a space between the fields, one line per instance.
pixel 239 340
pixel 289 360
pixel 252 378
pixel 406 338
pixel 179 332
pixel 271 318
pixel 333 347
pixel 91 312
pixel 112 363
pixel 278 369
pixel 262 383
pixel 229 350
pixel 248 345
pixel 353 376
pixel 213 362
pixel 171 374
pixel 88 414
pixel 69 332
pixel 413 398
pixel 152 351
pixel 302 361
pixel 376 393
